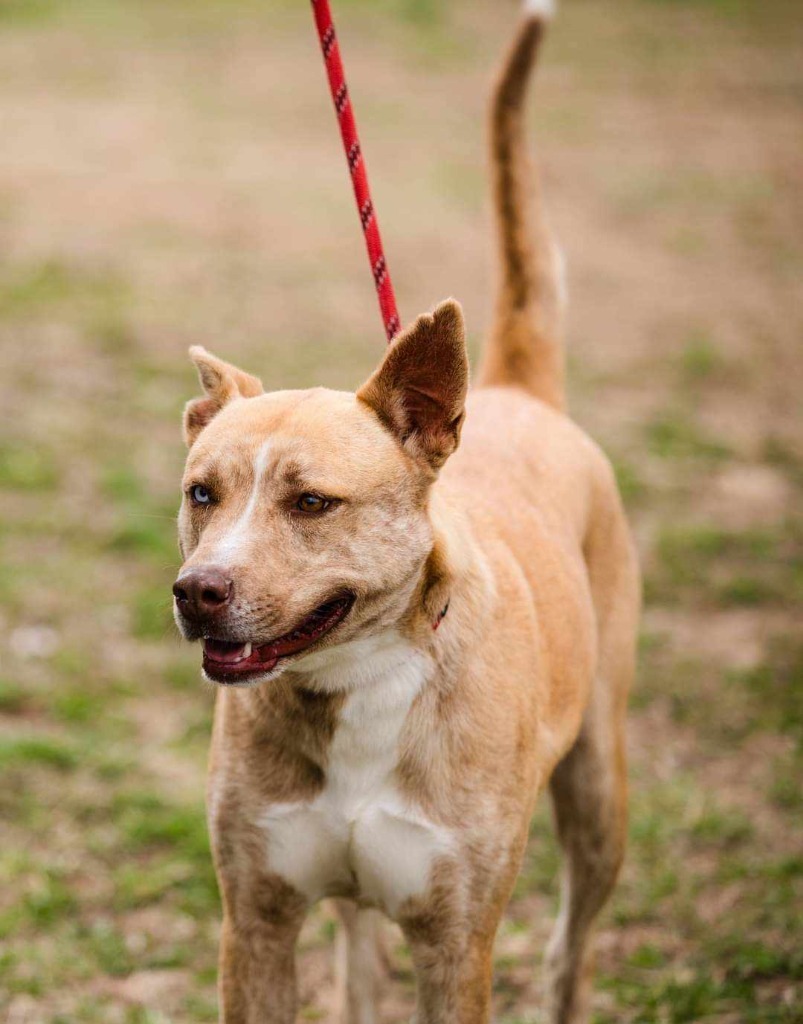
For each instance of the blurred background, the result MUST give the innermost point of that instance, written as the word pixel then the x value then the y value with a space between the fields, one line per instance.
pixel 171 174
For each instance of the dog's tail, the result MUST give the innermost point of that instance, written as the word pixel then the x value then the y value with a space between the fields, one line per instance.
pixel 524 347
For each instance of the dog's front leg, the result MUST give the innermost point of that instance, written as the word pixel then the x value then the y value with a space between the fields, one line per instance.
pixel 454 989
pixel 454 968
pixel 257 960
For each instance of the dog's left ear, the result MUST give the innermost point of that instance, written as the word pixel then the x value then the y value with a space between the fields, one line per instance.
pixel 222 382
pixel 419 390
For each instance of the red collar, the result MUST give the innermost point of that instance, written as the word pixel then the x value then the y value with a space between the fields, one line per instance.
pixel 441 616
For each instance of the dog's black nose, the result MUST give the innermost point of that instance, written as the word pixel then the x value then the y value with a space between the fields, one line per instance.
pixel 202 592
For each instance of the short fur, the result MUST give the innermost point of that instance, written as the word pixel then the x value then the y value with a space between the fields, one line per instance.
pixel 525 346
pixel 487 654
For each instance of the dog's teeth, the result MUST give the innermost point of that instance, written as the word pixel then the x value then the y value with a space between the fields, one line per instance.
pixel 246 652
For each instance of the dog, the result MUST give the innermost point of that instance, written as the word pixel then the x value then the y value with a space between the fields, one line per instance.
pixel 420 604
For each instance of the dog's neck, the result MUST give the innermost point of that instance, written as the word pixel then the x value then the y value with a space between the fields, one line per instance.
pixel 359 664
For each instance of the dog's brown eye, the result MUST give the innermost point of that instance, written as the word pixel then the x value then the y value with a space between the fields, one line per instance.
pixel 312 503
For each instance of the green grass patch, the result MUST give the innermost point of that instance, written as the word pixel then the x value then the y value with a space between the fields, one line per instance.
pixel 630 481
pixel 425 13
pixel 178 883
pixel 183 672
pixel 700 358
pixel 122 484
pixel 19 752
pixel 718 828
pixel 729 7
pixel 144 528
pixel 14 699
pixel 146 536
pixel 674 435
pixel 540 870
pixel 75 706
pixel 153 612
pixel 783 456
pixel 73 664
pixel 647 957
pixel 775 686
pixel 748 591
pixel 45 901
pixel 23 468
pixel 28 12
pixel 113 767
pixel 724 704
pixel 170 858
pixel 200 1007
pixel 146 821
pixel 107 945
pixel 703 562
pixel 39 289
pixel 786 793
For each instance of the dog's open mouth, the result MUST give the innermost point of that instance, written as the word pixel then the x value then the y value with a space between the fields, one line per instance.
pixel 228 662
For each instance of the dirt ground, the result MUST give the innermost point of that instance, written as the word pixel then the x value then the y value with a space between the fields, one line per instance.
pixel 170 174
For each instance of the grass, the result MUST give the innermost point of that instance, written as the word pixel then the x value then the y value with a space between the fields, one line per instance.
pixel 162 186
pixel 25 751
pixel 27 469
pixel 13 698
pixel 673 434
pixel 700 358
pixel 729 568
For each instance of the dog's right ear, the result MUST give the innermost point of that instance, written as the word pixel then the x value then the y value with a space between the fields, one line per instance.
pixel 222 382
pixel 419 390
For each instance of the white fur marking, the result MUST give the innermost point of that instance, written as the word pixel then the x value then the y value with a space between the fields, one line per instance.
pixel 357 663
pixel 230 544
pixel 360 826
pixel 540 8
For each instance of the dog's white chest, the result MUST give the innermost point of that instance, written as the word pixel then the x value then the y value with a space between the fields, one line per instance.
pixel 359 834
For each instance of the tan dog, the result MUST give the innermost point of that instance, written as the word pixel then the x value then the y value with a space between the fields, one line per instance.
pixel 410 649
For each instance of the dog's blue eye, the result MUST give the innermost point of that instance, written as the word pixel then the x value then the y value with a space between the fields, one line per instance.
pixel 312 503
pixel 200 495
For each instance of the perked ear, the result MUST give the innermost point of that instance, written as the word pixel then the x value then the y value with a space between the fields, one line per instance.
pixel 419 390
pixel 222 382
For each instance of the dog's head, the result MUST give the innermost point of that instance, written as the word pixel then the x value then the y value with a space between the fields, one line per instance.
pixel 304 522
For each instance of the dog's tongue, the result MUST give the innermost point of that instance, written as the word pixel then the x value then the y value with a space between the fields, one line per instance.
pixel 226 653
pixel 238 658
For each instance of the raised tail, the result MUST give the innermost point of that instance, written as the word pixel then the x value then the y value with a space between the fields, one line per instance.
pixel 525 344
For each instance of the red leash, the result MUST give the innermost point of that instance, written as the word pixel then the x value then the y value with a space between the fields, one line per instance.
pixel 359 176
